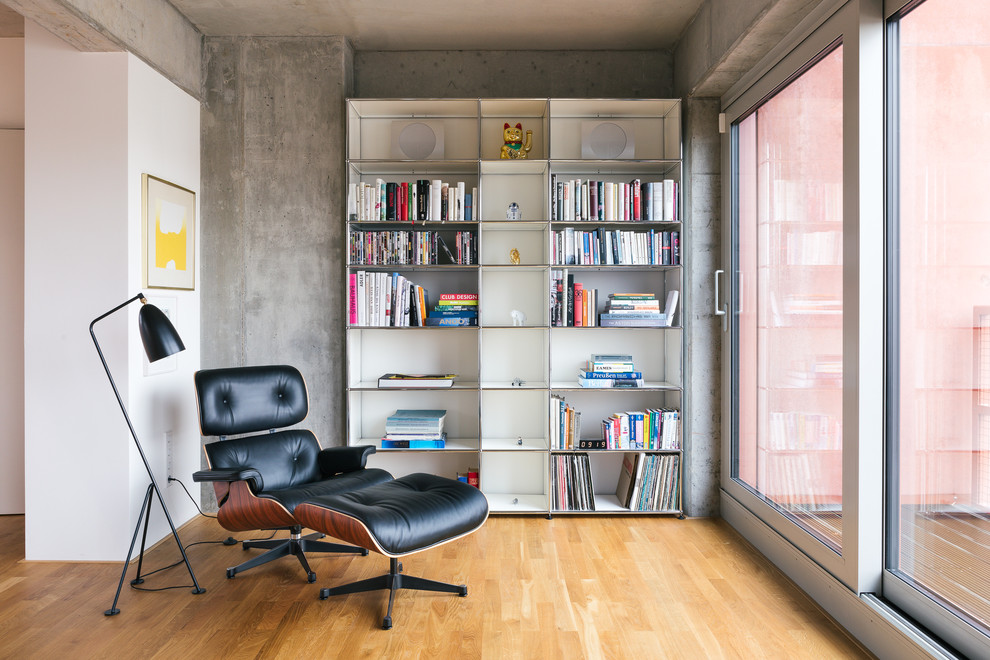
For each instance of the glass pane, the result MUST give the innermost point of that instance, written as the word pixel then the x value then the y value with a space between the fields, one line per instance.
pixel 789 312
pixel 943 530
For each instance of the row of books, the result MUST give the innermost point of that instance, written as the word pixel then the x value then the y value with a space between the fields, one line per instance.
pixel 415 429
pixel 613 247
pixel 400 248
pixel 574 305
pixel 650 429
pixel 423 200
pixel 380 299
pixel 576 200
pixel 573 489
pixel 565 424
pixel 571 305
pixel 649 482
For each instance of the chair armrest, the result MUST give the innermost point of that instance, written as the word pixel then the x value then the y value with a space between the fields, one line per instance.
pixel 336 460
pixel 231 474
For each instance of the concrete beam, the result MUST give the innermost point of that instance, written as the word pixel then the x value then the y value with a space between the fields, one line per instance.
pixel 153 30
pixel 727 38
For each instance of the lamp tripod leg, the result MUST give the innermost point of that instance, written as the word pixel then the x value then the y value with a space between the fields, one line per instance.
pixel 144 536
pixel 196 588
pixel 145 506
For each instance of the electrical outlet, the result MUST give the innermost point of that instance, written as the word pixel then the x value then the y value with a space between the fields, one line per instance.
pixel 169 465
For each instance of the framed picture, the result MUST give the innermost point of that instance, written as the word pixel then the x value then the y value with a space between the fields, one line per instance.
pixel 169 232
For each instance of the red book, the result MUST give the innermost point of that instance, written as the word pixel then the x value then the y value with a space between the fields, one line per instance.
pixel 404 202
pixel 473 479
pixel 458 296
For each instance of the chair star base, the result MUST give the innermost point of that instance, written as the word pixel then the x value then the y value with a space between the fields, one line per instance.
pixel 297 545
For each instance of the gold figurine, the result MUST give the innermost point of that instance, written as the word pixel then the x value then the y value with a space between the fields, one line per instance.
pixel 514 146
pixel 514 256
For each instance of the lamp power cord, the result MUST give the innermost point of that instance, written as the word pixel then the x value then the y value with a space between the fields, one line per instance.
pixel 230 540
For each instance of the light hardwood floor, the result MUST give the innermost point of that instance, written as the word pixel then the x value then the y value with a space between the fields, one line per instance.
pixel 572 587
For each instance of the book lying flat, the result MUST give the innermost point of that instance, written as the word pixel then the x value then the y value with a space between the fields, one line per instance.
pixel 389 443
pixel 610 383
pixel 584 373
pixel 417 380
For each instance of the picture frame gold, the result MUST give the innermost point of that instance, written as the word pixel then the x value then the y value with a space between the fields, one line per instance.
pixel 168 232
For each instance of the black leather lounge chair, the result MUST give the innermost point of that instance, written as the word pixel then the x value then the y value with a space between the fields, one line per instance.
pixel 261 478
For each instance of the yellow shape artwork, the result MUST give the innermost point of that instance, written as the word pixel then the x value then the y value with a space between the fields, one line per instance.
pixel 171 226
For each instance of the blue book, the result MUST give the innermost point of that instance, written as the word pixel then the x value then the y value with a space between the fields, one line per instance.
pixel 412 444
pixel 452 321
pixel 584 373
pixel 414 415
pixel 457 313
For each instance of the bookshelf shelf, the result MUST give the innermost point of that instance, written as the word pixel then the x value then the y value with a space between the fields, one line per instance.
pixel 515 358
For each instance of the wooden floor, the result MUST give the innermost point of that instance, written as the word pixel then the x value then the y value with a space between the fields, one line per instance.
pixel 571 587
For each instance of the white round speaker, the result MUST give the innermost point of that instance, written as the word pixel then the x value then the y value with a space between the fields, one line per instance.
pixel 417 141
pixel 607 140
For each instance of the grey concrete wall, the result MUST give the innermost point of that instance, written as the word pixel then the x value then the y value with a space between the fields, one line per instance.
pixel 703 240
pixel 273 238
pixel 153 30
pixel 525 74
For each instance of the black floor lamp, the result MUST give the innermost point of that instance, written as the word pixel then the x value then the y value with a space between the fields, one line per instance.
pixel 160 340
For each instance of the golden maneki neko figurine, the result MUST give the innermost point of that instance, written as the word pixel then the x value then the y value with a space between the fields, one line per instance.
pixel 514 146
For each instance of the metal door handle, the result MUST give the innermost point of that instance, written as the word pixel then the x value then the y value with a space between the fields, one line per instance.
pixel 721 310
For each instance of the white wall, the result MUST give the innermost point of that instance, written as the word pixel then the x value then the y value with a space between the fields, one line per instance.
pixel 12 275
pixel 163 140
pixel 94 122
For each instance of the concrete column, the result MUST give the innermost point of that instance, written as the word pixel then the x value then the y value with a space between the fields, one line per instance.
pixel 273 206
pixel 702 245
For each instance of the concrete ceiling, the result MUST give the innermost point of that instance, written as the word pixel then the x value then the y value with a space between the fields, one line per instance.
pixel 454 24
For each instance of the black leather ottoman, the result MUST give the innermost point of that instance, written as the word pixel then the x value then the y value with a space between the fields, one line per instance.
pixel 397 518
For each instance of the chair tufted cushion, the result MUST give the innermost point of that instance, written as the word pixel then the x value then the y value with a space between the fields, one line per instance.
pixel 250 399
pixel 291 497
pixel 407 514
pixel 284 459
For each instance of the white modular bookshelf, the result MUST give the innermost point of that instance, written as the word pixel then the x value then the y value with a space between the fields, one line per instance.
pixel 509 370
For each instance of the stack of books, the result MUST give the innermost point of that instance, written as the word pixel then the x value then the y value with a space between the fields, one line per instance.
pixel 403 381
pixel 632 310
pixel 415 429
pixel 610 371
pixel 454 309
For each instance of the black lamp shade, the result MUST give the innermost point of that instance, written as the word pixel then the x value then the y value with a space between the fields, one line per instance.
pixel 158 335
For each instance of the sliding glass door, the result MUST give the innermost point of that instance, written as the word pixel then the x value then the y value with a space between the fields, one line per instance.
pixel 804 245
pixel 938 550
pixel 788 448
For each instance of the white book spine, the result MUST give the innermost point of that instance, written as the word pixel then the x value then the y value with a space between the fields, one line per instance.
pixel 435 200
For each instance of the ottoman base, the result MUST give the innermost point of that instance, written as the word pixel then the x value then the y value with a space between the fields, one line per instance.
pixel 393 581
pixel 397 518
